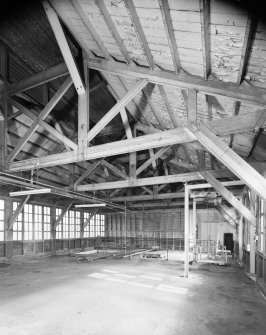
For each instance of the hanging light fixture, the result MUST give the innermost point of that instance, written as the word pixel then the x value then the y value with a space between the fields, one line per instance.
pixel 29 192
pixel 91 205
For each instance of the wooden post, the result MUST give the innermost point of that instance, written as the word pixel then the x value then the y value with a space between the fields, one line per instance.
pixel 4 104
pixel 240 240
pixel 186 235
pixel 194 226
pixel 53 230
pixel 8 232
pixel 82 244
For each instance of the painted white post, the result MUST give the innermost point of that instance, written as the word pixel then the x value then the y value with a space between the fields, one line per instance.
pixel 186 235
pixel 194 228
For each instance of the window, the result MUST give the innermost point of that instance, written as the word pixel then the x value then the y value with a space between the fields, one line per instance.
pixel 77 224
pixel 65 221
pixel 59 226
pixel 46 223
pixel 96 226
pixel 69 227
pixel 2 220
pixel 38 223
pixel 28 222
pixel 87 228
pixel 261 226
pixel 17 226
pixel 71 224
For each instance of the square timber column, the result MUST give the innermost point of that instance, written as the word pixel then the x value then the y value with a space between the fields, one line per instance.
pixel 53 230
pixel 187 232
pixel 8 232
pixel 82 244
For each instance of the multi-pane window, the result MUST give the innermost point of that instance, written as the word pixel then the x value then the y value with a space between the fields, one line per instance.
pixel 69 227
pixel 2 221
pixel 96 226
pixel 38 223
pixel 65 225
pixel 261 225
pixel 59 227
pixel 17 226
pixel 87 228
pixel 102 225
pixel 33 223
pixel 28 222
pixel 71 224
pixel 77 224
pixel 46 223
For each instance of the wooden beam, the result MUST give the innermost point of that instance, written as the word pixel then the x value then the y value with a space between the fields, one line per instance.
pixel 186 232
pixel 64 47
pixel 115 170
pixel 250 32
pixel 192 106
pixel 146 197
pixel 142 37
pixel 83 105
pixel 87 221
pixel 135 112
pixel 156 112
pixel 56 132
pixel 178 178
pixel 131 9
pixel 60 217
pixel 4 107
pixel 230 159
pixel 222 190
pixel 223 210
pixel 113 30
pixel 257 132
pixel 169 137
pixel 18 210
pixel 38 79
pixel 169 29
pixel 152 159
pixel 47 109
pixel 159 204
pixel 147 190
pixel 251 28
pixel 168 106
pixel 116 109
pixel 86 174
pixel 203 194
pixel 126 124
pixel 167 78
pixel 89 26
pixel 60 130
pixel 205 36
pixel 225 183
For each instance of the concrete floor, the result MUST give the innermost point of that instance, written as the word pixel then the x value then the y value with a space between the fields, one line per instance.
pixel 57 296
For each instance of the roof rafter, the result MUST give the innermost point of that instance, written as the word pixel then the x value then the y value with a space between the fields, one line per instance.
pixel 251 94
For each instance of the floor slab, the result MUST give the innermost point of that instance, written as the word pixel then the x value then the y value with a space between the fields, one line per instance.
pixel 58 296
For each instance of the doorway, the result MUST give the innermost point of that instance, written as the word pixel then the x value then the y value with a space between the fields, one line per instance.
pixel 229 241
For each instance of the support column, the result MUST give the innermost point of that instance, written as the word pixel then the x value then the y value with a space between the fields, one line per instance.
pixel 252 232
pixel 240 240
pixel 4 107
pixel 82 244
pixel 53 230
pixel 186 240
pixel 8 232
pixel 194 227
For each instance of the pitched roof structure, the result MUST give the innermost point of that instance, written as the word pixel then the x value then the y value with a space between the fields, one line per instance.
pixel 125 100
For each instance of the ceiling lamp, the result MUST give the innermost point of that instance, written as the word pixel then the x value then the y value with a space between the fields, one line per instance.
pixel 29 192
pixel 90 205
